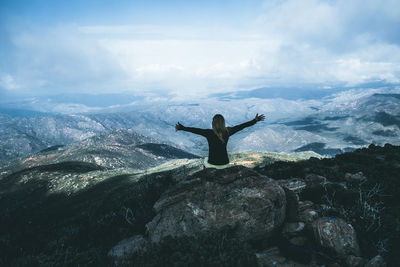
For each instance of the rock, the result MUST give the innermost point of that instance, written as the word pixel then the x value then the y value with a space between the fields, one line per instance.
pixel 122 253
pixel 292 228
pixel 272 257
pixel 292 205
pixel 353 261
pixel 336 236
pixel 308 216
pixel 296 185
pixel 307 213
pixel 376 261
pixel 356 177
pixel 307 204
pixel 302 254
pixel 237 197
pixel 299 240
pixel 312 179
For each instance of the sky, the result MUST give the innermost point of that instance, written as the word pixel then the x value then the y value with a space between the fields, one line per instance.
pixel 195 48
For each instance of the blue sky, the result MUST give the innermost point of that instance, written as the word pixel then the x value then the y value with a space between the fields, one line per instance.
pixel 193 48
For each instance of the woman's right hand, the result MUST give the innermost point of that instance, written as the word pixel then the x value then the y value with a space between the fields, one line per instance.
pixel 178 126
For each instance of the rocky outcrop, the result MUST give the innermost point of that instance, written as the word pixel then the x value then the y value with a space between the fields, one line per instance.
pixel 292 205
pixel 121 254
pixel 336 236
pixel 354 261
pixel 254 205
pixel 376 261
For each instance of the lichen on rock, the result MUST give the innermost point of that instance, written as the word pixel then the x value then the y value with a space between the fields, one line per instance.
pixel 253 204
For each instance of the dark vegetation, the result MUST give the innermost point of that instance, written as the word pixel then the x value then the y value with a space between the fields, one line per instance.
pixel 21 112
pixel 387 95
pixel 42 229
pixel 50 149
pixel 166 151
pixel 319 148
pixel 372 206
pixel 67 167
pixel 354 140
pixel 312 124
pixel 386 119
pixel 305 121
pixel 216 249
pixel 386 133
pixel 317 128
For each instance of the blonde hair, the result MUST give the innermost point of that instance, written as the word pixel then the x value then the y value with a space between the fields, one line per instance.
pixel 218 125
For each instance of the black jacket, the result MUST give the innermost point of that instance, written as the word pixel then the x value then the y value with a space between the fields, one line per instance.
pixel 217 154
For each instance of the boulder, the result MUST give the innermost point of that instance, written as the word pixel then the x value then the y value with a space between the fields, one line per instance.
pixel 308 216
pixel 295 184
pixel 299 240
pixel 312 179
pixel 353 261
pixel 292 205
pixel 376 261
pixel 302 254
pixel 307 204
pixel 272 257
pixel 307 213
pixel 336 236
pixel 292 228
pixel 251 204
pixel 354 177
pixel 122 253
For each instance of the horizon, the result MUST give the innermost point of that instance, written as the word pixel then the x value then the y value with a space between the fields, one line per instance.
pixel 185 50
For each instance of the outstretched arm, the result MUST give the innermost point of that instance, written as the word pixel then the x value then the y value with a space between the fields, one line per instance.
pixel 237 128
pixel 180 127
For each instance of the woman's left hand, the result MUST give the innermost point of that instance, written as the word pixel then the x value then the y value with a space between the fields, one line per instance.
pixel 259 117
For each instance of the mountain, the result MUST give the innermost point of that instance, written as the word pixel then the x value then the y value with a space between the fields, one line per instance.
pixel 340 127
pixel 114 149
pixel 21 136
pixel 334 124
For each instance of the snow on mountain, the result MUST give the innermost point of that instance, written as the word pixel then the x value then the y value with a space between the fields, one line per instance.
pixel 342 121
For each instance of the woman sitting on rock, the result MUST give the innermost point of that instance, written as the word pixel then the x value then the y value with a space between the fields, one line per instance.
pixel 218 137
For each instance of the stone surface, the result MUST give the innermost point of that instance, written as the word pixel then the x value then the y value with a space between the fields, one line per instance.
pixel 311 179
pixel 254 205
pixel 354 177
pixel 376 261
pixel 121 254
pixel 299 253
pixel 292 205
pixel 299 240
pixel 296 185
pixel 292 228
pixel 308 216
pixel 336 236
pixel 306 204
pixel 354 261
pixel 273 258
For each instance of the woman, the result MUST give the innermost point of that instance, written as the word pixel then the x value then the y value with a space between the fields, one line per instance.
pixel 218 137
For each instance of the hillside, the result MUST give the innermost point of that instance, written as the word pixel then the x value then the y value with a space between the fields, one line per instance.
pixel 328 126
pixel 113 149
pixel 72 213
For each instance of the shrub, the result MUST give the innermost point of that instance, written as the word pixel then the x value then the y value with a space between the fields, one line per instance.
pixel 207 249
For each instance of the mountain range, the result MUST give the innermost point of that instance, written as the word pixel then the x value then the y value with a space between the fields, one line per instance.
pixel 331 125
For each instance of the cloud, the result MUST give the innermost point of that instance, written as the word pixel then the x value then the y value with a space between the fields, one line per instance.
pixel 7 82
pixel 59 58
pixel 287 42
pixel 339 26
pixel 332 41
